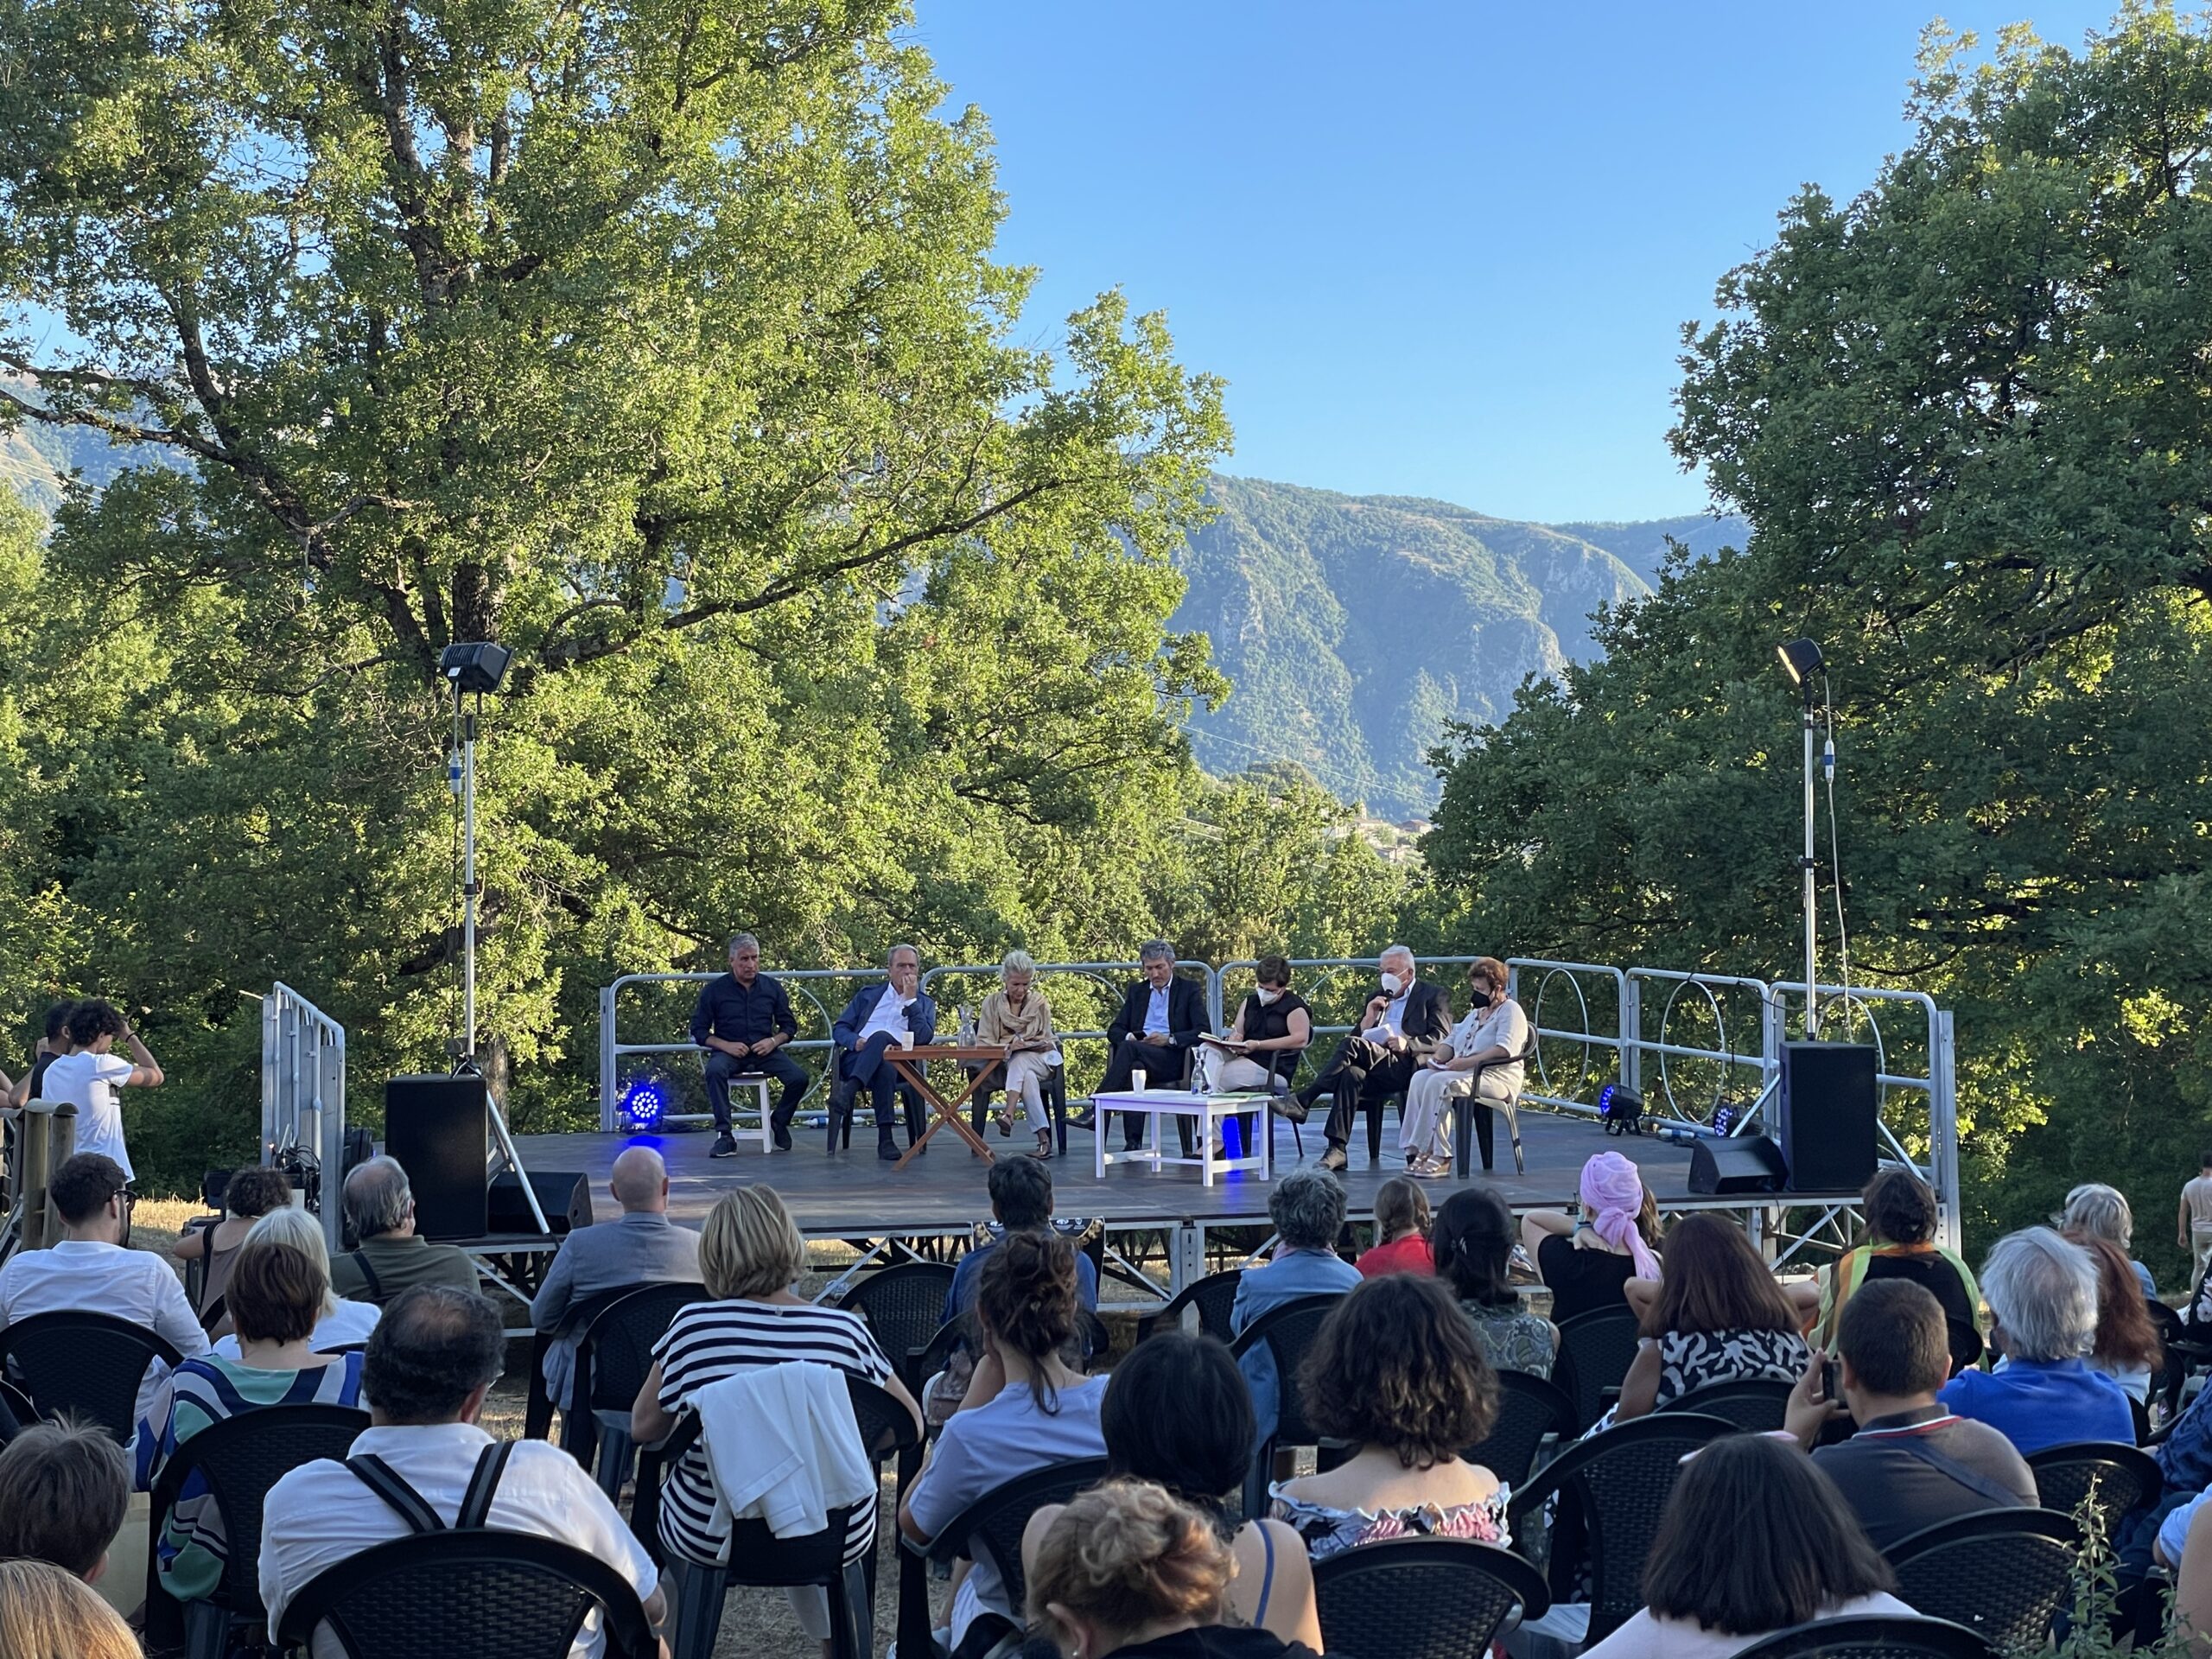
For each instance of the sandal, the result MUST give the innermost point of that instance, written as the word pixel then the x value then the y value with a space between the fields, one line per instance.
pixel 1044 1144
pixel 1005 1123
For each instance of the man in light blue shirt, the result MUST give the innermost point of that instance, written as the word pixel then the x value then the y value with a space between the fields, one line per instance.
pixel 1307 1208
pixel 641 1248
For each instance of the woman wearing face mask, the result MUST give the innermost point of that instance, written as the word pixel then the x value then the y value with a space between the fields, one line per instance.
pixel 1479 1062
pixel 1271 1030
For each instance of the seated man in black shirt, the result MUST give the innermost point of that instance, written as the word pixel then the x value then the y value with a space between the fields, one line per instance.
pixel 1911 1463
pixel 743 1020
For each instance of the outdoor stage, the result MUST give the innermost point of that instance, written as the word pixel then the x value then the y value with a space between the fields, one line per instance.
pixel 854 1195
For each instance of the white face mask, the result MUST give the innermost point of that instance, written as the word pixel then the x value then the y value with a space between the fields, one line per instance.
pixel 1267 997
pixel 1392 984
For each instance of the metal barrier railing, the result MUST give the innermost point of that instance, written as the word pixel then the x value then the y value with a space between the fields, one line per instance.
pixel 304 1101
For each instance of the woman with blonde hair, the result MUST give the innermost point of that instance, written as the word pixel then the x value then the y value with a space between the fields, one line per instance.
pixel 750 1255
pixel 47 1614
pixel 339 1323
pixel 1127 1572
pixel 1018 1017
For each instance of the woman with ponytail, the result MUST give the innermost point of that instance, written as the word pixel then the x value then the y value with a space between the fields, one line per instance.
pixel 1025 1406
pixel 1588 1264
pixel 1127 1572
pixel 1473 1242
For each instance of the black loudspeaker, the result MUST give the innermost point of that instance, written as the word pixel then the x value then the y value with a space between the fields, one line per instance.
pixel 1749 1163
pixel 436 1127
pixel 1825 1119
pixel 564 1195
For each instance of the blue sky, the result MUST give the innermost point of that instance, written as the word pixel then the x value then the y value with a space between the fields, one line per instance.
pixel 1436 249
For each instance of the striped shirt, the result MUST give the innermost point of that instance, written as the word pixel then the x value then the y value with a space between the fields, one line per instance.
pixel 200 1393
pixel 709 1341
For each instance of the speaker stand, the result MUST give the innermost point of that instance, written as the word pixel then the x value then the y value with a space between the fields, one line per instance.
pixel 504 1150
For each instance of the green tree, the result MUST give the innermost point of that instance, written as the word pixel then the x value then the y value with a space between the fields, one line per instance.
pixel 663 345
pixel 1964 414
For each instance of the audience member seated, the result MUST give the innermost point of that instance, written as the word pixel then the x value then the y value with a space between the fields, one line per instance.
pixel 1127 1572
pixel 63 1488
pixel 896 1014
pixel 1585 1263
pixel 2103 1210
pixel 1396 1371
pixel 250 1194
pixel 1754 1540
pixel 90 1074
pixel 1177 1413
pixel 435 1353
pixel 276 1295
pixel 2042 1293
pixel 1307 1209
pixel 1479 1065
pixel 339 1324
pixel 1718 1317
pixel 1021 1202
pixel 643 1247
pixel 1912 1463
pixel 750 1255
pixel 1402 1224
pixel 1025 1406
pixel 88 1270
pixel 1159 1023
pixel 1272 1031
pixel 2192 1605
pixel 392 1255
pixel 1473 1242
pixel 1018 1016
pixel 47 1614
pixel 1901 1219
pixel 2127 1347
pixel 1402 1021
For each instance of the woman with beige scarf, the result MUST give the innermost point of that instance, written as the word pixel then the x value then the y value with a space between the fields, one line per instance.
pixel 1020 1018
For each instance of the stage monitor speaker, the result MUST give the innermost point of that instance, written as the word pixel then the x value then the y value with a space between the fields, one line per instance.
pixel 436 1127
pixel 1825 1119
pixel 564 1195
pixel 1749 1163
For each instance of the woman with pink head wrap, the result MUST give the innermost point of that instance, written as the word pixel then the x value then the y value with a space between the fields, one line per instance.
pixel 1586 1263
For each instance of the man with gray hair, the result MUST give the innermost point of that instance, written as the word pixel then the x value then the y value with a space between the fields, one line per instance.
pixel 898 1010
pixel 1404 1018
pixel 1307 1209
pixel 641 1247
pixel 743 1020
pixel 2042 1292
pixel 392 1255
pixel 1161 1022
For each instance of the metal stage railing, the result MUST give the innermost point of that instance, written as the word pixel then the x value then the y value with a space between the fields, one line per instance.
pixel 304 1101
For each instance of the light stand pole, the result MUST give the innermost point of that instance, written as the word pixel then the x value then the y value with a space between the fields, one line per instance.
pixel 1801 659
pixel 465 725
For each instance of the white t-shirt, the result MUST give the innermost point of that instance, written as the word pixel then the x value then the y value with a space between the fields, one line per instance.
pixel 2197 1195
pixel 320 1514
pixel 890 1015
pixel 1642 1637
pixel 89 1082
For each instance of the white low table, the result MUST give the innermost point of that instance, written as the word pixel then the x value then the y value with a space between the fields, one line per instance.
pixel 1209 1110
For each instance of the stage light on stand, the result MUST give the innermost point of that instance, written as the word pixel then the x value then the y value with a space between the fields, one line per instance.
pixel 1801 660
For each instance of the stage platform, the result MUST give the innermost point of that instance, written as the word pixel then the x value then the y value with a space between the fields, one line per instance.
pixel 854 1195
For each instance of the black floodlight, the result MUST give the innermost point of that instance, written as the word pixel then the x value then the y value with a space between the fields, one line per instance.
pixel 1802 658
pixel 475 665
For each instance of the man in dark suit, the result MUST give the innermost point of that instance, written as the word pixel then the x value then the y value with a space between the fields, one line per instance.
pixel 1402 1021
pixel 877 1017
pixel 743 1020
pixel 1161 1022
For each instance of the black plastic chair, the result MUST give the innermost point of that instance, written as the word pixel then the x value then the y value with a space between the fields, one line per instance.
pixel 759 1560
pixel 86 1364
pixel 989 1529
pixel 903 1305
pixel 1873 1636
pixel 2006 1574
pixel 1529 1410
pixel 1595 1350
pixel 239 1458
pixel 1289 1331
pixel 1424 1598
pixel 17 1412
pixel 1213 1296
pixel 612 1360
pixel 2121 1478
pixel 1465 1107
pixel 473 1591
pixel 1755 1405
pixel 1620 1481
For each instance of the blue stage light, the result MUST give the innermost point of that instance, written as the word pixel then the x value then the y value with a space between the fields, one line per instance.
pixel 644 1103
